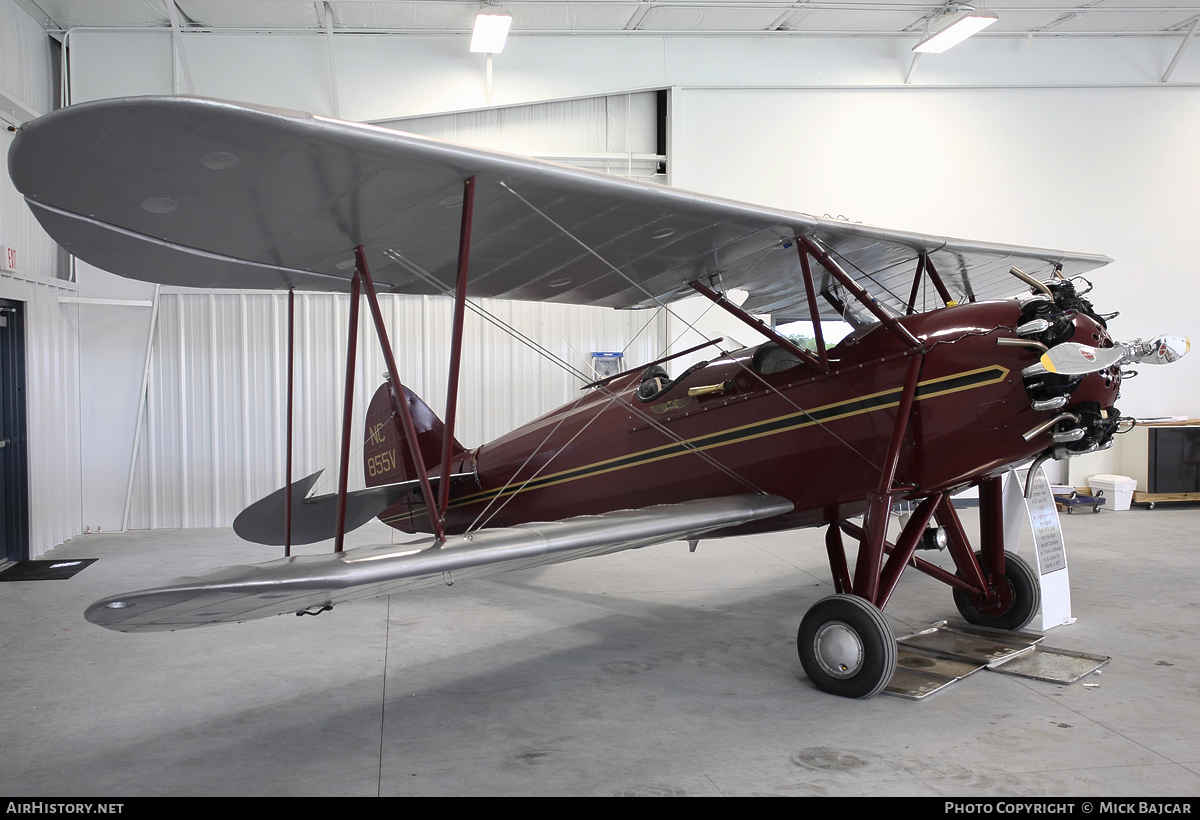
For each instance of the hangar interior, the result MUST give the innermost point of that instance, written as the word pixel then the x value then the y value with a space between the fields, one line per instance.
pixel 153 415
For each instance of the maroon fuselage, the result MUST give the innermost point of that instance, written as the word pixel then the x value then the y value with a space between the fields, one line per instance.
pixel 817 439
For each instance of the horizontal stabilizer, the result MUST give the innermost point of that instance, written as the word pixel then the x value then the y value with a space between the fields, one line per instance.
pixel 315 519
pixel 313 582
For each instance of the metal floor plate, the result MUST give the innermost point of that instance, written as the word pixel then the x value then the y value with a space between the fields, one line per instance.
pixel 944 653
pixel 936 663
pixel 971 643
pixel 1050 664
pixel 915 685
pixel 919 674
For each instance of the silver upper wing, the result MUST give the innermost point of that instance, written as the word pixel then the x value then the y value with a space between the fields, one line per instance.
pixel 203 193
pixel 305 582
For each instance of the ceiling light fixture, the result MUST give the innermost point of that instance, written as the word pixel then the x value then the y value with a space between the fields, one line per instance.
pixel 960 28
pixel 491 30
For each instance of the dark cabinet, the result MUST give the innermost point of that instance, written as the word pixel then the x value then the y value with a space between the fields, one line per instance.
pixel 1173 460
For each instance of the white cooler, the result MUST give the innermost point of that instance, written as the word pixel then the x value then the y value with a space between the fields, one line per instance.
pixel 1118 489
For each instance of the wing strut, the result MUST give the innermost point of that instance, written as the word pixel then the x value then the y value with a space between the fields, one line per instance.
pixel 916 287
pixel 435 506
pixel 395 391
pixel 287 512
pixel 835 270
pixel 925 265
pixel 814 312
pixel 339 536
pixel 460 301
pixel 938 283
pixel 719 300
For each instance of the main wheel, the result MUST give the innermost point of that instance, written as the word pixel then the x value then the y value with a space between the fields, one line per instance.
pixel 846 647
pixel 1018 597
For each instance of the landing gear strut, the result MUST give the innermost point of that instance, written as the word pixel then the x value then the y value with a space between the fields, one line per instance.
pixel 846 647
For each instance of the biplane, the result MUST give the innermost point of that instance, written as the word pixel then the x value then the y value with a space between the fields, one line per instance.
pixel 966 359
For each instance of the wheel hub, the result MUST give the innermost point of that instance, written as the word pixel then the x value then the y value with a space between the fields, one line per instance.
pixel 838 649
pixel 1002 601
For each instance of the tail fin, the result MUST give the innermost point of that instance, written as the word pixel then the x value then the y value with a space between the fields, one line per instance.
pixel 387 457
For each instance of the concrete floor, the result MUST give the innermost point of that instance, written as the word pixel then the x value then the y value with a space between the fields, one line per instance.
pixel 647 673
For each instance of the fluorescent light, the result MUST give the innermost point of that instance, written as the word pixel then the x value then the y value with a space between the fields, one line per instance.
pixel 491 30
pixel 960 28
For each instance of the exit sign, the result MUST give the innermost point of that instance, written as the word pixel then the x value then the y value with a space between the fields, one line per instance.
pixel 8 258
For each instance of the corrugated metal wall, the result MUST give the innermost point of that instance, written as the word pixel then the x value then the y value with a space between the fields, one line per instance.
pixel 51 332
pixel 25 68
pixel 213 439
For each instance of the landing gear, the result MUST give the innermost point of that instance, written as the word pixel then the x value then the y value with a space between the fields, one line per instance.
pixel 1018 598
pixel 846 647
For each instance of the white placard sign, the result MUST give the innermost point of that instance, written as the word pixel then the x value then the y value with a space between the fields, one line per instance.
pixel 1050 547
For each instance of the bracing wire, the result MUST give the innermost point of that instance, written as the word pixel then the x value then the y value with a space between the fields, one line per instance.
pixel 562 363
pixel 663 306
pixel 539 470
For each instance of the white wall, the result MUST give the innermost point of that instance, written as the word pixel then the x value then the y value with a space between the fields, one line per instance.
pixel 1098 170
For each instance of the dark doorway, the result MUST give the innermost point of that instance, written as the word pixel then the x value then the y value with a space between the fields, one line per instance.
pixel 14 479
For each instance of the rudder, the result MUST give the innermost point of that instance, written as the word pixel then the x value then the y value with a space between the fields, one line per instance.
pixel 387 458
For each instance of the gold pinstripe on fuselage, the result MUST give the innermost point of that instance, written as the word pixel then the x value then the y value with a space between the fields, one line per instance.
pixel 874 402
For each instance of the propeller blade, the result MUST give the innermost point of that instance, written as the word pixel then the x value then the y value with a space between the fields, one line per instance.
pixel 1073 359
pixel 1167 348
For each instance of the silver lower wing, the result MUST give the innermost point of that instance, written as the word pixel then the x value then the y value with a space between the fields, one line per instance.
pixel 307 582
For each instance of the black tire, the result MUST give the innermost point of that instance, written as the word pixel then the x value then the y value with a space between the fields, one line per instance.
pixel 846 647
pixel 1020 592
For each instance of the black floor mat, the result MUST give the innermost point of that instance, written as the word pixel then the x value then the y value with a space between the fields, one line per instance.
pixel 44 570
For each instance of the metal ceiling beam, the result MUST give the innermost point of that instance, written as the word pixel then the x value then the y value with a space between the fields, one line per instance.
pixel 177 41
pixel 326 14
pixel 784 7
pixel 780 21
pixel 1187 38
pixel 916 55
pixel 13 111
pixel 52 26
pixel 638 17
pixel 750 32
